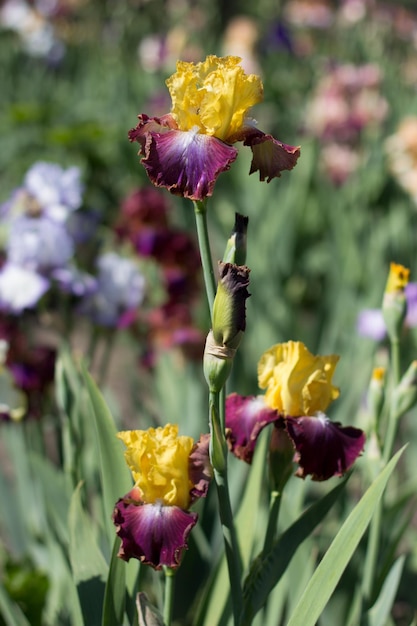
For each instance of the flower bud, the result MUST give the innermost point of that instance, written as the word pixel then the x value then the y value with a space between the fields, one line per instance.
pixel 236 245
pixel 229 322
pixel 394 305
pixel 405 394
pixel 229 311
pixel 376 393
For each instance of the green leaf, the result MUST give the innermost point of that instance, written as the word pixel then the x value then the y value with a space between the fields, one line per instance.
pixel 10 611
pixel 115 475
pixel 116 482
pixel 379 613
pixel 245 520
pixel 115 593
pixel 334 562
pixel 266 570
pixel 89 567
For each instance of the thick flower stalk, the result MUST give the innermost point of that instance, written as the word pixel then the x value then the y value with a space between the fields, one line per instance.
pixel 186 149
pixel 170 472
pixel 299 389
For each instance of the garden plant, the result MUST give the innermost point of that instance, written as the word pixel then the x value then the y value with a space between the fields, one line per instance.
pixel 208 361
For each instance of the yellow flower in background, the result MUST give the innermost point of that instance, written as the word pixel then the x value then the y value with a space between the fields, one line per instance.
pixel 378 374
pixel 398 278
pixel 297 382
pixel 214 96
pixel 159 461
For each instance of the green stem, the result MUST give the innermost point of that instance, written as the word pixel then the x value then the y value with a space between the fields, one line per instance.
pixel 375 527
pixel 392 417
pixel 274 507
pixel 218 457
pixel 169 595
pixel 218 446
pixel 200 210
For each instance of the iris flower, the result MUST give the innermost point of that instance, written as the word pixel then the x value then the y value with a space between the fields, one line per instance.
pixel 170 472
pixel 299 389
pixel 186 149
pixel 120 289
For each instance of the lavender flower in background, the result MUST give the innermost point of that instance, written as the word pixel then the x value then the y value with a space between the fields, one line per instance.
pixel 73 281
pixel 20 288
pixel 370 322
pixel 48 190
pixel 39 244
pixel 58 191
pixel 120 290
pixel 32 25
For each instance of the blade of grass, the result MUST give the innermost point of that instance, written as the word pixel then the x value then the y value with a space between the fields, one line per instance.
pixel 328 573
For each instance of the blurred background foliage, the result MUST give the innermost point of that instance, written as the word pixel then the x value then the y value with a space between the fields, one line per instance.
pixel 320 239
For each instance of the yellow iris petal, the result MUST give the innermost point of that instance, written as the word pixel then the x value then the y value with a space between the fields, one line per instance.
pixel 297 382
pixel 214 96
pixel 158 459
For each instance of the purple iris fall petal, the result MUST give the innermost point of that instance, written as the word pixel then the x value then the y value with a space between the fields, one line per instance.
pixel 270 156
pixel 153 533
pixel 187 163
pixel 246 416
pixel 324 448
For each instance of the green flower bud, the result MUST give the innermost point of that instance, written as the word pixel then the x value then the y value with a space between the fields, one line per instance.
pixel 376 393
pixel 394 304
pixel 405 394
pixel 229 310
pixel 236 245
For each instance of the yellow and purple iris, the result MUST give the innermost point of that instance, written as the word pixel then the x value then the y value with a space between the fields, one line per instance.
pixel 186 149
pixel 299 389
pixel 170 472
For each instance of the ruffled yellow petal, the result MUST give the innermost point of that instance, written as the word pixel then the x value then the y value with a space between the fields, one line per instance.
pixel 297 382
pixel 159 461
pixel 214 96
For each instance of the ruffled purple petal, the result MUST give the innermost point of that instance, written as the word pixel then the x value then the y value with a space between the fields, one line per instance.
pixel 142 133
pixel 270 156
pixel 152 533
pixel 246 416
pixel 186 163
pixel 200 470
pixel 324 448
